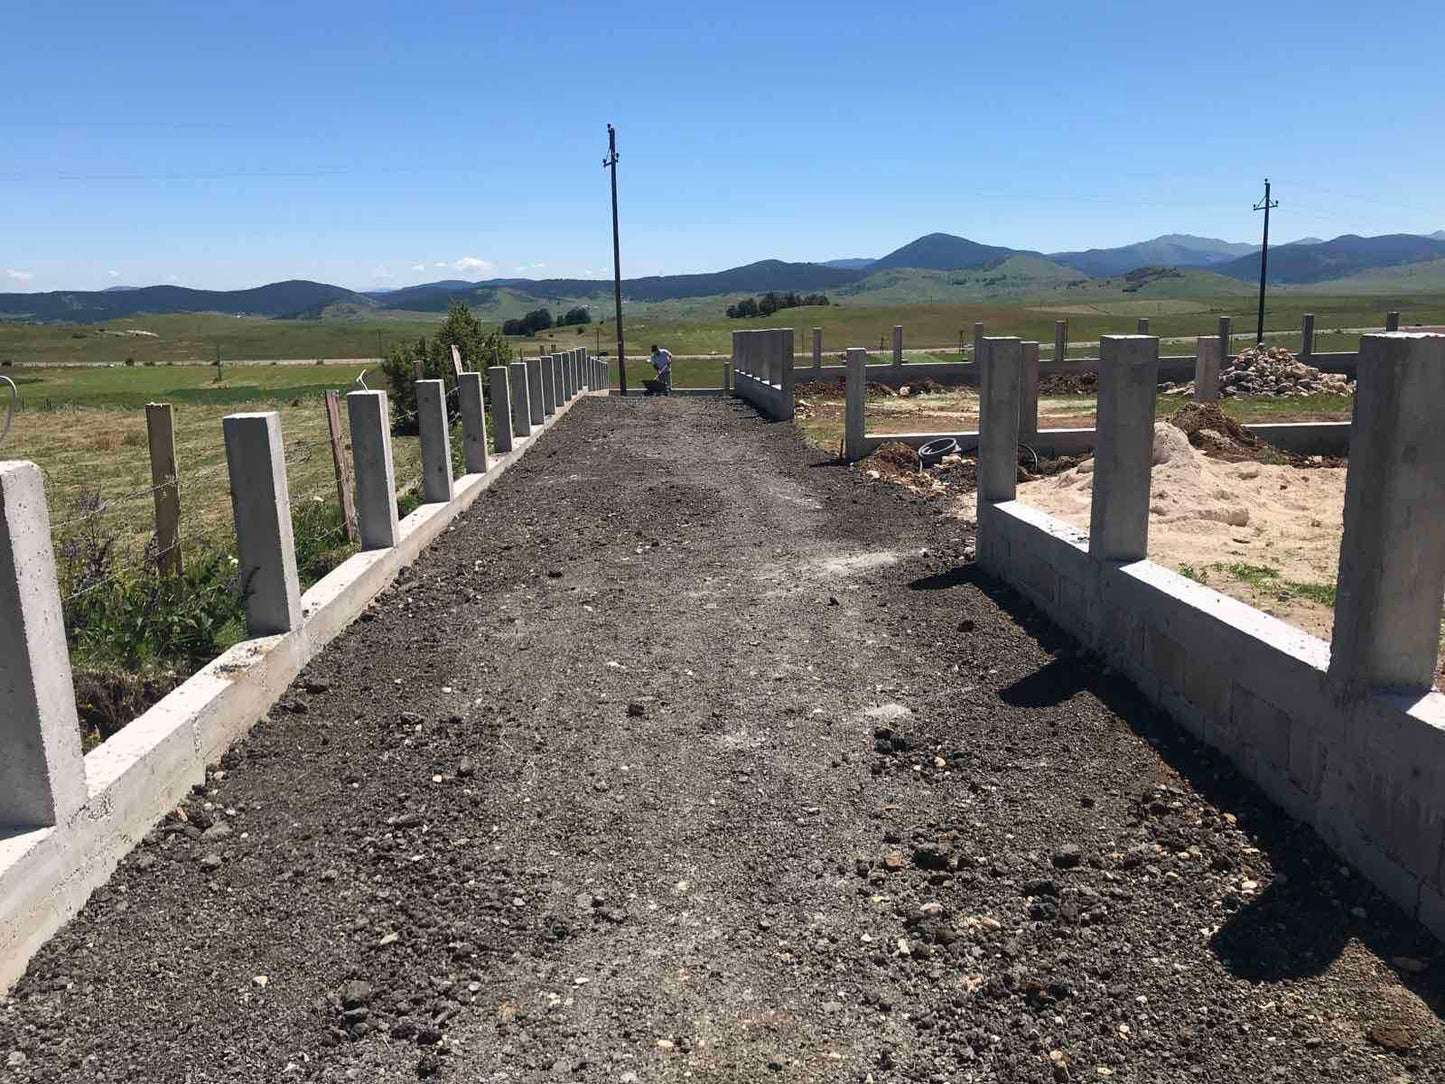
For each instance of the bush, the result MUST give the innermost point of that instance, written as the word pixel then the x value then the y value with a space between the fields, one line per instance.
pixel 535 321
pixel 130 361
pixel 150 362
pixel 481 348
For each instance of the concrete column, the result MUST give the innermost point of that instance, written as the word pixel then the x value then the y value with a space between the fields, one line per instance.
pixel 261 505
pixel 474 423
pixel 550 391
pixel 1307 335
pixel 501 408
pixel 727 377
pixel 576 370
pixel 42 771
pixel 371 463
pixel 1392 555
pixel 1392 321
pixel 1206 368
pixel 1124 447
pixel 817 348
pixel 1001 380
pixel 1226 329
pixel 978 346
pixel 785 374
pixel 1061 340
pixel 584 378
pixel 1029 393
pixel 559 382
pixel 737 351
pixel 436 442
pixel 857 398
pixel 521 399
pixel 1143 325
pixel 897 344
pixel 534 391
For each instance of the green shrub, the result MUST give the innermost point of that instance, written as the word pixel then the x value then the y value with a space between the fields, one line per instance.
pixel 481 347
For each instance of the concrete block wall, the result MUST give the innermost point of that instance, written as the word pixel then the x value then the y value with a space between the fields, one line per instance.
pixel 67 820
pixel 1342 743
pixel 762 369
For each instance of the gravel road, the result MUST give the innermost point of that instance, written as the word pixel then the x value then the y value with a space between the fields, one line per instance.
pixel 689 755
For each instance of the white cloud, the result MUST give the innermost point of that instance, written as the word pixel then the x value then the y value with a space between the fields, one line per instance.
pixel 19 276
pixel 471 263
pixel 439 263
pixel 418 267
pixel 530 267
pixel 173 277
pixel 113 274
pixel 380 272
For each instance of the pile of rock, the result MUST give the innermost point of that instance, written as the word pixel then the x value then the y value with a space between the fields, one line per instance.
pixel 1274 371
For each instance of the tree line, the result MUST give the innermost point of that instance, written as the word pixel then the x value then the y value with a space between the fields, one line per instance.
pixel 771 302
pixel 541 319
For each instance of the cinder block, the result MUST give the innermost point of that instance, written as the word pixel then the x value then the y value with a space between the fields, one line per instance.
pixel 1207 685
pixel 1262 725
pixel 1165 657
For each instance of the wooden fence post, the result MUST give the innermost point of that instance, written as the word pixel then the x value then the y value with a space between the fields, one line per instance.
pixel 341 465
pixel 161 436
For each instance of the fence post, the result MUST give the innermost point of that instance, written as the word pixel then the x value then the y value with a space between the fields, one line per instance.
pixel 1206 369
pixel 897 344
pixel 418 369
pixel 42 771
pixel 574 366
pixel 1392 321
pixel 474 423
pixel 375 473
pixel 1061 340
pixel 1307 335
pixel 579 366
pixel 1001 377
pixel 1029 393
pixel 1124 447
pixel 1226 329
pixel 1392 555
pixel 261 504
pixel 1143 325
pixel 817 348
pixel 161 436
pixel 534 391
pixel 501 408
pixel 978 348
pixel 857 398
pixel 340 466
pixel 785 371
pixel 436 442
pixel 521 400
pixel 551 394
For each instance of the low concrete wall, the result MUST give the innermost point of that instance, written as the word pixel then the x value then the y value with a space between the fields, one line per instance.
pixel 768 398
pixel 1368 775
pixel 1301 438
pixel 132 779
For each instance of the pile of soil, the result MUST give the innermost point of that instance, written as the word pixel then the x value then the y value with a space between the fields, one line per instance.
pixel 1218 435
pixel 1081 383
pixel 835 390
pixel 895 457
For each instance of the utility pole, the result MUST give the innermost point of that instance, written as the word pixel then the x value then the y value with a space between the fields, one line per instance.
pixel 610 162
pixel 1263 205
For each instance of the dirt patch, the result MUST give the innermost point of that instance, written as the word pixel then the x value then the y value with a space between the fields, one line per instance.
pixel 1219 436
pixel 1081 383
pixel 834 390
pixel 107 699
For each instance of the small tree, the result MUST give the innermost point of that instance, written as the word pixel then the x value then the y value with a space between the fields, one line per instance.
pixel 481 347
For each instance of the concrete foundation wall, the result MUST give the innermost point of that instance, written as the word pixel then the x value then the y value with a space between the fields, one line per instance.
pixel 133 778
pixel 1302 438
pixel 1368 775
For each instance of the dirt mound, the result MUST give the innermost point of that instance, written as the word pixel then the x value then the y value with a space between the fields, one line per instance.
pixel 895 457
pixel 1069 383
pixel 820 390
pixel 925 386
pixel 1218 435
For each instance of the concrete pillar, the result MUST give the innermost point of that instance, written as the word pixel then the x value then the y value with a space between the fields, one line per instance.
pixel 978 345
pixel 1124 447
pixel 261 505
pixel 550 391
pixel 1307 335
pixel 897 344
pixel 577 376
pixel 737 352
pixel 1143 325
pixel 521 399
pixel 1206 368
pixel 501 408
pixel 375 474
pixel 1392 321
pixel 42 771
pixel 584 378
pixel 559 383
pixel 436 443
pixel 534 391
pixel 1061 340
pixel 1392 555
pixel 817 348
pixel 474 423
pixel 857 397
pixel 1226 329
pixel 727 376
pixel 1001 380
pixel 1029 393
pixel 785 372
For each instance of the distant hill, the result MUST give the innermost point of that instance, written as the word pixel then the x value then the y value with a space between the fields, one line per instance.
pixel 118 289
pixel 1345 255
pixel 942 252
pixel 1438 235
pixel 278 299
pixel 1168 250
pixel 850 264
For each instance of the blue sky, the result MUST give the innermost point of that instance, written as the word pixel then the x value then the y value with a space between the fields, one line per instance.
pixel 229 144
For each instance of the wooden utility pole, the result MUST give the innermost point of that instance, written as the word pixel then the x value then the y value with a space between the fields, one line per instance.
pixel 1263 205
pixel 161 436
pixel 610 162
pixel 342 467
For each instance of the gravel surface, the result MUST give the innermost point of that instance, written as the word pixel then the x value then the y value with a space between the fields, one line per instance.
pixel 689 755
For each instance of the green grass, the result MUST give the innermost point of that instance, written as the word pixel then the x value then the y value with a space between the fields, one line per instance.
pixel 1267 581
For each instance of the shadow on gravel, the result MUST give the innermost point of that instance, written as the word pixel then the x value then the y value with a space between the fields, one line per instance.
pixel 1314 905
